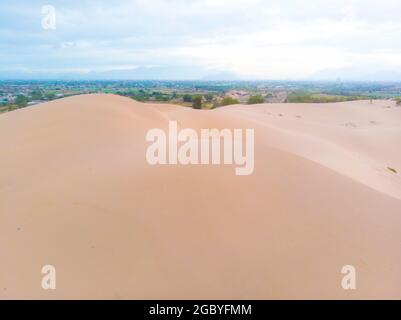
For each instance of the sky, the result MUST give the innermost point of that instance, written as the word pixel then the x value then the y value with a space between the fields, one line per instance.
pixel 201 39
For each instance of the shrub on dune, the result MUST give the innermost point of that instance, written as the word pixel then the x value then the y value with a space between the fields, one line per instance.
pixel 256 99
pixel 197 102
pixel 228 101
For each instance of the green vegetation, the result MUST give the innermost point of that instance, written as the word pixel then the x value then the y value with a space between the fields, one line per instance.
pixel 21 101
pixel 306 97
pixel 146 95
pixel 228 101
pixel 140 95
pixel 50 95
pixel 36 95
pixel 16 94
pixel 160 96
pixel 256 99
pixel 209 97
pixel 197 102
pixel 187 98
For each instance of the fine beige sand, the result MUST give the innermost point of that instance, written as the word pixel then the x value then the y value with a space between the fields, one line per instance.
pixel 76 192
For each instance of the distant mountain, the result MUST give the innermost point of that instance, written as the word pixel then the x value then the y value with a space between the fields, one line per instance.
pixel 358 74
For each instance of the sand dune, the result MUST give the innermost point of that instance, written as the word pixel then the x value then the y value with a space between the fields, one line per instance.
pixel 76 192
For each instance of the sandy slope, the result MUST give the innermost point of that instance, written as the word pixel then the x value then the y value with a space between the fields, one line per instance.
pixel 76 192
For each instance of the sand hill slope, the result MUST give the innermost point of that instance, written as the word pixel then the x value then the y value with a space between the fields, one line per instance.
pixel 76 192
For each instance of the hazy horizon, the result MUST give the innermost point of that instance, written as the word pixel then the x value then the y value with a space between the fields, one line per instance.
pixel 201 40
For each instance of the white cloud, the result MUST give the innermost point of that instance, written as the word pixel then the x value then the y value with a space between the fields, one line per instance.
pixel 251 38
pixel 271 62
pixel 299 49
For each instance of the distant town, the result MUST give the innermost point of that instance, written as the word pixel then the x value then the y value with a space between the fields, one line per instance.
pixel 16 94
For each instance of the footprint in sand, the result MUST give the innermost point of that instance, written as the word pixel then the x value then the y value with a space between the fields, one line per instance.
pixel 350 125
